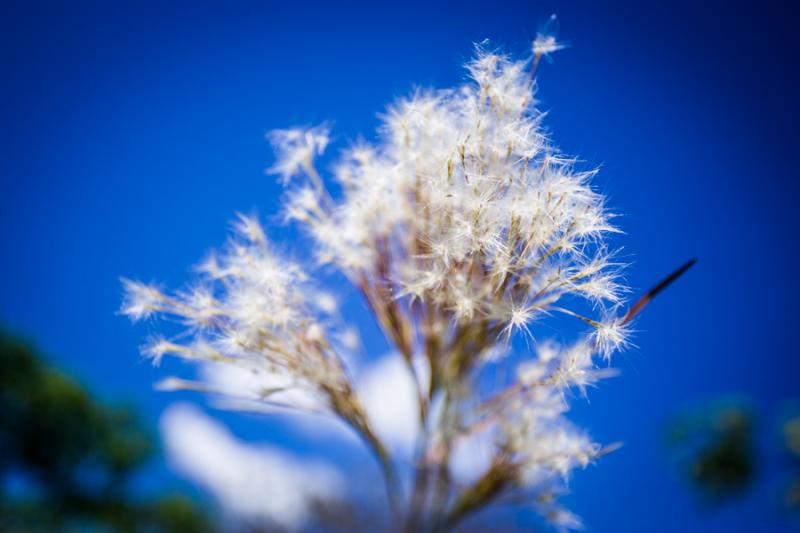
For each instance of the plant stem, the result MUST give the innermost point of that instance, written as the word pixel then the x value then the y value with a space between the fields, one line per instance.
pixel 393 490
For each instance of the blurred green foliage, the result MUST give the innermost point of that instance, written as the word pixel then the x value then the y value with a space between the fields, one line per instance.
pixel 66 460
pixel 715 449
pixel 791 440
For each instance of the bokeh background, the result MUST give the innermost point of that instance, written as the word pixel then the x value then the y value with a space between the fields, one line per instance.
pixel 131 133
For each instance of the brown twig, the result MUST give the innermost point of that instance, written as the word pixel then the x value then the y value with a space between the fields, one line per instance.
pixel 640 304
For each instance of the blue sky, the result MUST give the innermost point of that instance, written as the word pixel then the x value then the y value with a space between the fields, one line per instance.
pixel 131 134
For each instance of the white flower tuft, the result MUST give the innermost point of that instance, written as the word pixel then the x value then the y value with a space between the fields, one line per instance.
pixel 463 227
pixel 545 42
pixel 296 149
pixel 141 300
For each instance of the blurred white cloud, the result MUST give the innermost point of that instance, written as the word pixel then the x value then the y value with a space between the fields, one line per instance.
pixel 386 388
pixel 248 382
pixel 265 483
pixel 253 482
pixel 471 457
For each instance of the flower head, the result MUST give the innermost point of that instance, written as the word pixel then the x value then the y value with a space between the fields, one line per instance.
pixel 465 205
pixel 545 42
pixel 463 227
pixel 141 300
pixel 296 149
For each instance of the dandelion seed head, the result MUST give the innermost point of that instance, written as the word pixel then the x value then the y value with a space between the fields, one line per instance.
pixel 611 335
pixel 141 300
pixel 157 347
pixel 296 148
pixel 463 226
pixel 249 228
pixel 545 42
pixel 467 185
